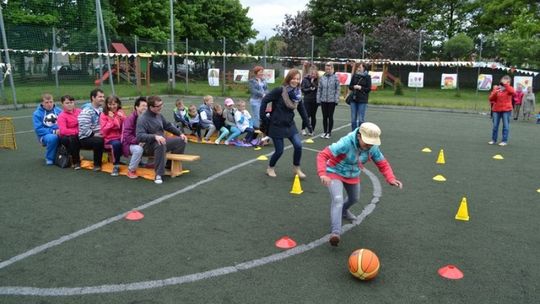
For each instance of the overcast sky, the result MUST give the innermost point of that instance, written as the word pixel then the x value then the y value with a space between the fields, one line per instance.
pixel 266 14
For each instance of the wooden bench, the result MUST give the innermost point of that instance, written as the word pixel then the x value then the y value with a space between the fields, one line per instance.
pixel 176 162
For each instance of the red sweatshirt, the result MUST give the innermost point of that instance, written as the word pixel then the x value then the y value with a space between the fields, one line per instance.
pixel 68 124
pixel 501 98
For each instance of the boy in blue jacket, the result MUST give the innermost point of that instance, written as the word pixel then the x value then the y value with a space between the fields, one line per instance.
pixel 45 119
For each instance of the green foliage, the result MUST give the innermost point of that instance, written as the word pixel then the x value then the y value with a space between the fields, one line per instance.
pixel 459 46
pixel 398 88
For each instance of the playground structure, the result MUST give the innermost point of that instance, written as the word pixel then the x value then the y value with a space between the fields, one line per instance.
pixel 133 71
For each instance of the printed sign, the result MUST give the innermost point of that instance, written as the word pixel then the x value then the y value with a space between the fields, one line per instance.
pixel 344 78
pixel 241 75
pixel 416 80
pixel 376 78
pixel 525 82
pixel 448 81
pixel 270 75
pixel 213 77
pixel 485 81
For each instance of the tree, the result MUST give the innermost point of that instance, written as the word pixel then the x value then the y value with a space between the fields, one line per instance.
pixel 274 47
pixel 459 46
pixel 520 44
pixel 395 40
pixel 296 32
pixel 197 20
pixel 349 45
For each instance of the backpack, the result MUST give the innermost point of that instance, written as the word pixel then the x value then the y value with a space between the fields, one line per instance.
pixel 62 159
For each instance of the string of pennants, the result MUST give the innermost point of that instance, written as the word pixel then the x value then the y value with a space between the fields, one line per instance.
pixel 472 64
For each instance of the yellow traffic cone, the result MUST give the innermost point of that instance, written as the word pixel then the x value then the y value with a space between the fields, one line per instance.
pixel 296 187
pixel 463 212
pixel 439 178
pixel 440 159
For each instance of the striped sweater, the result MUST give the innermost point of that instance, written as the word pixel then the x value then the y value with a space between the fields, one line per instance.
pixel 89 121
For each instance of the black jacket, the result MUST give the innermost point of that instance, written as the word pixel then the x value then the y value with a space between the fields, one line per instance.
pixel 282 123
pixel 309 89
pixel 364 80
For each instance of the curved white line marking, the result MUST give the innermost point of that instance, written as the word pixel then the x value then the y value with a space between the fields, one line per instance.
pixel 72 291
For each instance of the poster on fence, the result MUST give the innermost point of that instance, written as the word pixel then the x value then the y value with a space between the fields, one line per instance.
pixel 285 72
pixel 241 75
pixel 448 81
pixel 484 82
pixel 344 78
pixel 525 82
pixel 376 78
pixel 416 80
pixel 270 75
pixel 213 77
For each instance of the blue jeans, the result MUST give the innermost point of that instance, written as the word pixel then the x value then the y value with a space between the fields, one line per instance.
pixel 116 147
pixel 358 114
pixel 255 108
pixel 51 142
pixel 338 205
pixel 497 116
pixel 279 146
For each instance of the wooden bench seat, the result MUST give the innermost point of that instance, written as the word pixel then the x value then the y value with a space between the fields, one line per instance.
pixel 176 162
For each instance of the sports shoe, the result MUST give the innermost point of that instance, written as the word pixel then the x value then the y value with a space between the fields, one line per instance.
pixel 216 142
pixel 323 136
pixel 132 174
pixel 348 215
pixel 115 170
pixel 328 136
pixel 491 142
pixel 304 133
pixel 334 239
pixel 49 162
pixel 503 143
pixel 96 168
pixel 270 172
pixel 226 143
pixel 158 180
pixel 77 166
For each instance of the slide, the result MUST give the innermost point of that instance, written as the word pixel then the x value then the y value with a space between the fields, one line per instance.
pixel 104 77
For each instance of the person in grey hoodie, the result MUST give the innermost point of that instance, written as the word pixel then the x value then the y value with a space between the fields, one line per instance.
pixel 151 127
pixel 328 98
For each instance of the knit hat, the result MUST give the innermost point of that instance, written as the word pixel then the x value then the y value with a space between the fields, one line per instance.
pixel 370 133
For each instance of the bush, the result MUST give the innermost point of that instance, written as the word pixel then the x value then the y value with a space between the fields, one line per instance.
pixel 398 88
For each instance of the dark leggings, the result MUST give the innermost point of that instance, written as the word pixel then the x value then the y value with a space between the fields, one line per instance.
pixel 279 147
pixel 311 109
pixel 73 146
pixel 328 116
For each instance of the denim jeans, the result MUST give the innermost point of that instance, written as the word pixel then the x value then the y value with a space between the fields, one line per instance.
pixel 497 116
pixel 339 205
pixel 255 108
pixel 116 147
pixel 279 146
pixel 358 114
pixel 51 142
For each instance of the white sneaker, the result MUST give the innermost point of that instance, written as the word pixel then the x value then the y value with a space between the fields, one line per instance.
pixel 304 133
pixel 503 143
pixel 491 142
pixel 158 180
pixel 216 142
pixel 226 143
pixel 323 136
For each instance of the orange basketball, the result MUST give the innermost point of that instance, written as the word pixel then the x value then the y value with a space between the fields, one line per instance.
pixel 364 264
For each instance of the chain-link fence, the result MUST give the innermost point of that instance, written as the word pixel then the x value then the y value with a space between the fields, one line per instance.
pixel 84 52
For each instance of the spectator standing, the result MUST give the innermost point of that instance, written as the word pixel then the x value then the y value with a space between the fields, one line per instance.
pixel 328 98
pixel 360 87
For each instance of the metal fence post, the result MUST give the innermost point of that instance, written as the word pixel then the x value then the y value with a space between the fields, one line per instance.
pixel 224 68
pixel 8 62
pixel 187 67
pixel 55 61
pixel 173 68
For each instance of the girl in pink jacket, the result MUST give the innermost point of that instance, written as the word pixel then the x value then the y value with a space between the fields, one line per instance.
pixel 68 129
pixel 110 123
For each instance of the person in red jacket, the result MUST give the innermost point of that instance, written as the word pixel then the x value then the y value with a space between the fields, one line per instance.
pixel 68 129
pixel 110 122
pixel 501 106
pixel 518 99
